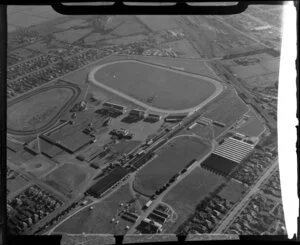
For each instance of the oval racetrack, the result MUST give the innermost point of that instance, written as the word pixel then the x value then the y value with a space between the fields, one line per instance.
pixel 173 91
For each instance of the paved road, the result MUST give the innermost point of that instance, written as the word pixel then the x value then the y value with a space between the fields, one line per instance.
pixel 217 84
pixel 245 200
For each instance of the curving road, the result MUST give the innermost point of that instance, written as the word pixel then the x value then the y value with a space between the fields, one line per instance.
pixel 76 92
pixel 93 80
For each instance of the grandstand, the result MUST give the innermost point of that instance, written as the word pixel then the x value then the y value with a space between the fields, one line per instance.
pixel 227 156
pixel 137 113
pixel 115 106
pixel 175 118
pixel 205 120
pixel 219 124
pixel 152 118
pixel 233 149
pixel 108 181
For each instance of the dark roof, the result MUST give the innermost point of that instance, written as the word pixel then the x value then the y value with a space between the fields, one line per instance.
pixel 76 141
pixel 147 228
pixel 156 218
pixel 49 149
pixel 108 181
pixel 157 212
pixel 219 164
pixel 176 116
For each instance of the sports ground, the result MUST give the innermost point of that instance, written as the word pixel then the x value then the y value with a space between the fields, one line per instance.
pixel 170 160
pixel 156 87
pixel 40 109
pixel 67 178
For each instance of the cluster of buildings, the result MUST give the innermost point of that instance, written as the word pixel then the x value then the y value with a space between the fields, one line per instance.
pixel 112 110
pixel 166 52
pixel 37 77
pixel 208 214
pixel 66 50
pixel 267 99
pixel 257 218
pixel 155 220
pixel 30 65
pixel 134 116
pixel 272 186
pixel 121 133
pixel 23 36
pixel 29 207
pixel 253 166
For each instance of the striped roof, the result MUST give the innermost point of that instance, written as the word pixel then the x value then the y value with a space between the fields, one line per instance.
pixel 234 150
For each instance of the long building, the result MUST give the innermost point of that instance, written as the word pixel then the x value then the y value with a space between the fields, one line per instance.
pixel 115 106
pixel 227 156
pixel 108 181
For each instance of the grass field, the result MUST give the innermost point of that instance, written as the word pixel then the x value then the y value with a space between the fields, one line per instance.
pixel 202 131
pixel 125 146
pixel 67 178
pixel 253 127
pixel 36 111
pixel 258 69
pixel 189 65
pixel 233 191
pixel 72 35
pixel 99 219
pixel 227 108
pixel 156 86
pixel 185 196
pixel 38 166
pixel 157 23
pixel 171 159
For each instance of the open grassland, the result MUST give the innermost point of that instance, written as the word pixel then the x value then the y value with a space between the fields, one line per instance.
pixel 72 35
pixel 99 219
pixel 233 191
pixel 67 178
pixel 258 69
pixel 188 65
pixel 158 22
pixel 38 166
pixel 125 146
pixel 170 160
pixel 210 36
pixel 40 109
pixel 227 108
pixel 185 196
pixel 252 127
pixel 121 25
pixel 156 86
